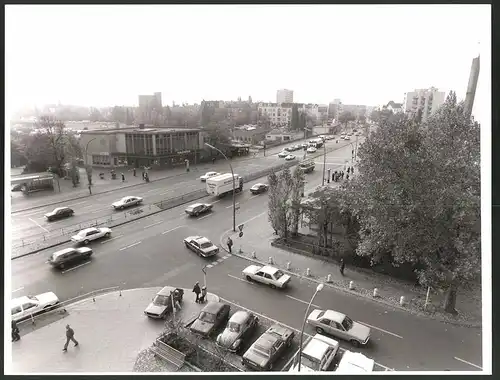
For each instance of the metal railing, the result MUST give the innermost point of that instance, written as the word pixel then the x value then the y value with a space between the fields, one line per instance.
pixel 61 306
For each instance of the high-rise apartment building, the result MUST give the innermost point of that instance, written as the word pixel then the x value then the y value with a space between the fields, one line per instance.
pixel 471 87
pixel 425 100
pixel 284 96
pixel 150 107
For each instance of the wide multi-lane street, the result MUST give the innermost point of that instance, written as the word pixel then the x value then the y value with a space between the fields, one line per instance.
pixel 31 224
pixel 150 252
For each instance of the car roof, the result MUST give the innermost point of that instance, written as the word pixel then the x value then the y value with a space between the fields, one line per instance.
pixel 87 229
pixel 213 307
pixel 316 348
pixel 166 291
pixel 19 301
pixel 202 240
pixel 355 362
pixel 278 329
pixel 269 269
pixel 240 316
pixel 334 316
pixel 207 173
pixel 194 205
pixel 60 208
pixel 63 251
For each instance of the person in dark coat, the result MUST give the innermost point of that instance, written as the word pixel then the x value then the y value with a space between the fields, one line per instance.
pixel 134 172
pixel 15 331
pixel 347 177
pixel 213 160
pixel 197 291
pixel 352 169
pixel 203 294
pixel 348 170
pixel 230 244
pixel 70 336
pixel 123 177
pixel 143 175
pixel 342 266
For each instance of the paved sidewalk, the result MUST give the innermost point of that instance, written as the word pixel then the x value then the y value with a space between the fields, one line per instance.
pixel 111 332
pixel 258 237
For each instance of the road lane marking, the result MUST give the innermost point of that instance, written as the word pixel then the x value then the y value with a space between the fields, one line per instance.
pixel 299 300
pixel 78 266
pixel 184 213
pixel 95 212
pixel 203 217
pixel 173 229
pixel 150 191
pixel 220 261
pixel 218 200
pixel 86 207
pixel 154 224
pixel 210 266
pixel 79 203
pixel 240 279
pixel 113 238
pixel 466 362
pixel 29 214
pixel 226 257
pixel 38 224
pixel 229 206
pixel 130 246
pixel 378 328
pixel 18 289
pixel 166 192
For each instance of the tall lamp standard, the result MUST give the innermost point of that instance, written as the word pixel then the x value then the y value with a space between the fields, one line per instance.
pixel 87 168
pixel 318 289
pixel 234 183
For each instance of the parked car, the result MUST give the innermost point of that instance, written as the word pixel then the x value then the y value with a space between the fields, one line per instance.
pixel 317 355
pixel 268 348
pixel 290 157
pixel 63 258
pixel 23 307
pixel 162 302
pixel 59 213
pixel 127 202
pixel 201 245
pixel 88 234
pixel 198 208
pixel 347 138
pixel 311 149
pixel 283 154
pixel 268 275
pixel 355 362
pixel 339 325
pixel 240 326
pixel 208 175
pixel 305 145
pixel 259 188
pixel 210 318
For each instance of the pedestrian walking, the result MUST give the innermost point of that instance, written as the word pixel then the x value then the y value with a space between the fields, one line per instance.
pixel 70 336
pixel 203 294
pixel 229 244
pixel 213 160
pixel 15 331
pixel 134 172
pixel 146 177
pixel 352 169
pixel 347 177
pixel 342 174
pixel 342 266
pixel 143 175
pixel 197 291
pixel 348 170
pixel 123 177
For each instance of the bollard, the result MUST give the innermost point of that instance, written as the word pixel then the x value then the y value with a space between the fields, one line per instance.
pixel 93 296
pixel 120 292
pixel 402 301
pixel 254 256
pixel 240 251
pixel 288 265
pixel 308 272
pixel 329 278
pixel 375 292
pixel 43 237
pixel 271 260
pixel 351 285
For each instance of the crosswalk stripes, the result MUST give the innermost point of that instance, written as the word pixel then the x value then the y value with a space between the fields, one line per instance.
pixel 214 263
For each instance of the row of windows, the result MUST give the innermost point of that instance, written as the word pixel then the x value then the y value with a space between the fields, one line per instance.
pixel 101 160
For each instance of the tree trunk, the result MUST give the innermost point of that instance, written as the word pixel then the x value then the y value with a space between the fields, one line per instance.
pixel 450 300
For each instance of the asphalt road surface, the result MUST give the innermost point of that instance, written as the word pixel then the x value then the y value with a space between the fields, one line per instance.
pixel 150 252
pixel 32 225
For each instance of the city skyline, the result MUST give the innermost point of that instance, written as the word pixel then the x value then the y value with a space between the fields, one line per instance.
pixel 90 71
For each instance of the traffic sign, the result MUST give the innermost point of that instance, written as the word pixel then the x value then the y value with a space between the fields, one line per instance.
pixel 237 206
pixel 240 227
pixel 240 234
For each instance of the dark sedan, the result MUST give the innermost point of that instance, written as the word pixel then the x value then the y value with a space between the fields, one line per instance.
pixel 211 317
pixel 259 188
pixel 198 208
pixel 59 213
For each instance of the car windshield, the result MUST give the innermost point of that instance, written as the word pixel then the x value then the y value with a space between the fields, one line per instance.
pixel 234 327
pixel 206 245
pixel 207 317
pixel 320 314
pixel 347 323
pixel 160 300
pixel 190 208
pixel 278 275
pixel 33 298
pixel 310 363
pixel 262 350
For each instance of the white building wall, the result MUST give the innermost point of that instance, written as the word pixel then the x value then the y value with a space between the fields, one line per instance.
pixel 284 96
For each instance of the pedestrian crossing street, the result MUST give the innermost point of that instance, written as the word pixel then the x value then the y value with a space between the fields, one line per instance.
pixel 214 263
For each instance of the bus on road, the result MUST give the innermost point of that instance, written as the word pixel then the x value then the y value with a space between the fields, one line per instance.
pixel 34 182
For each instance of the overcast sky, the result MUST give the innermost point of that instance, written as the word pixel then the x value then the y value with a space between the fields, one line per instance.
pixel 362 54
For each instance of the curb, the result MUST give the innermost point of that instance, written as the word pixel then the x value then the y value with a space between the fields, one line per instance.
pixel 418 313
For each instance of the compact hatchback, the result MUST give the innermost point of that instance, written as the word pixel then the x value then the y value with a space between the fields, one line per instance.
pixel 62 259
pixel 59 213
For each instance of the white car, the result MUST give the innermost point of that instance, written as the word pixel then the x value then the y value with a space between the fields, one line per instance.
pixel 268 275
pixel 290 157
pixel 311 149
pixel 127 202
pixel 354 362
pixel 283 154
pixel 88 234
pixel 317 355
pixel 201 245
pixel 208 175
pixel 347 138
pixel 23 307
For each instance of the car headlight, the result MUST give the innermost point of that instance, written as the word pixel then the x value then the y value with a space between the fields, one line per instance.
pixel 235 344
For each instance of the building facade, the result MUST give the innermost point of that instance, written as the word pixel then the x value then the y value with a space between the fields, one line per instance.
pixel 284 96
pixel 279 114
pixel 250 134
pixel 427 101
pixel 150 107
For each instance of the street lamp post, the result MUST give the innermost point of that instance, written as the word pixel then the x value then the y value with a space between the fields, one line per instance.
pixel 318 289
pixel 234 183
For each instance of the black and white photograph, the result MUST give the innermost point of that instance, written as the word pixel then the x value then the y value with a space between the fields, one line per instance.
pixel 261 188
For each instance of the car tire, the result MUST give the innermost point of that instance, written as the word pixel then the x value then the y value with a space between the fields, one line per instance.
pixel 187 245
pixel 272 286
pixel 319 330
pixel 270 367
pixel 61 266
pixel 249 279
pixel 108 234
pixel 355 343
pixel 196 214
pixel 86 241
pixel 289 344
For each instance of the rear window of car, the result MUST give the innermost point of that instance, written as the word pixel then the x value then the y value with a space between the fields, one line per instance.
pixel 206 245
pixel 207 317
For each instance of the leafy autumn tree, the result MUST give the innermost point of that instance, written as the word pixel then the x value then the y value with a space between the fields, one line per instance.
pixel 417 195
pixel 298 179
pixel 345 117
